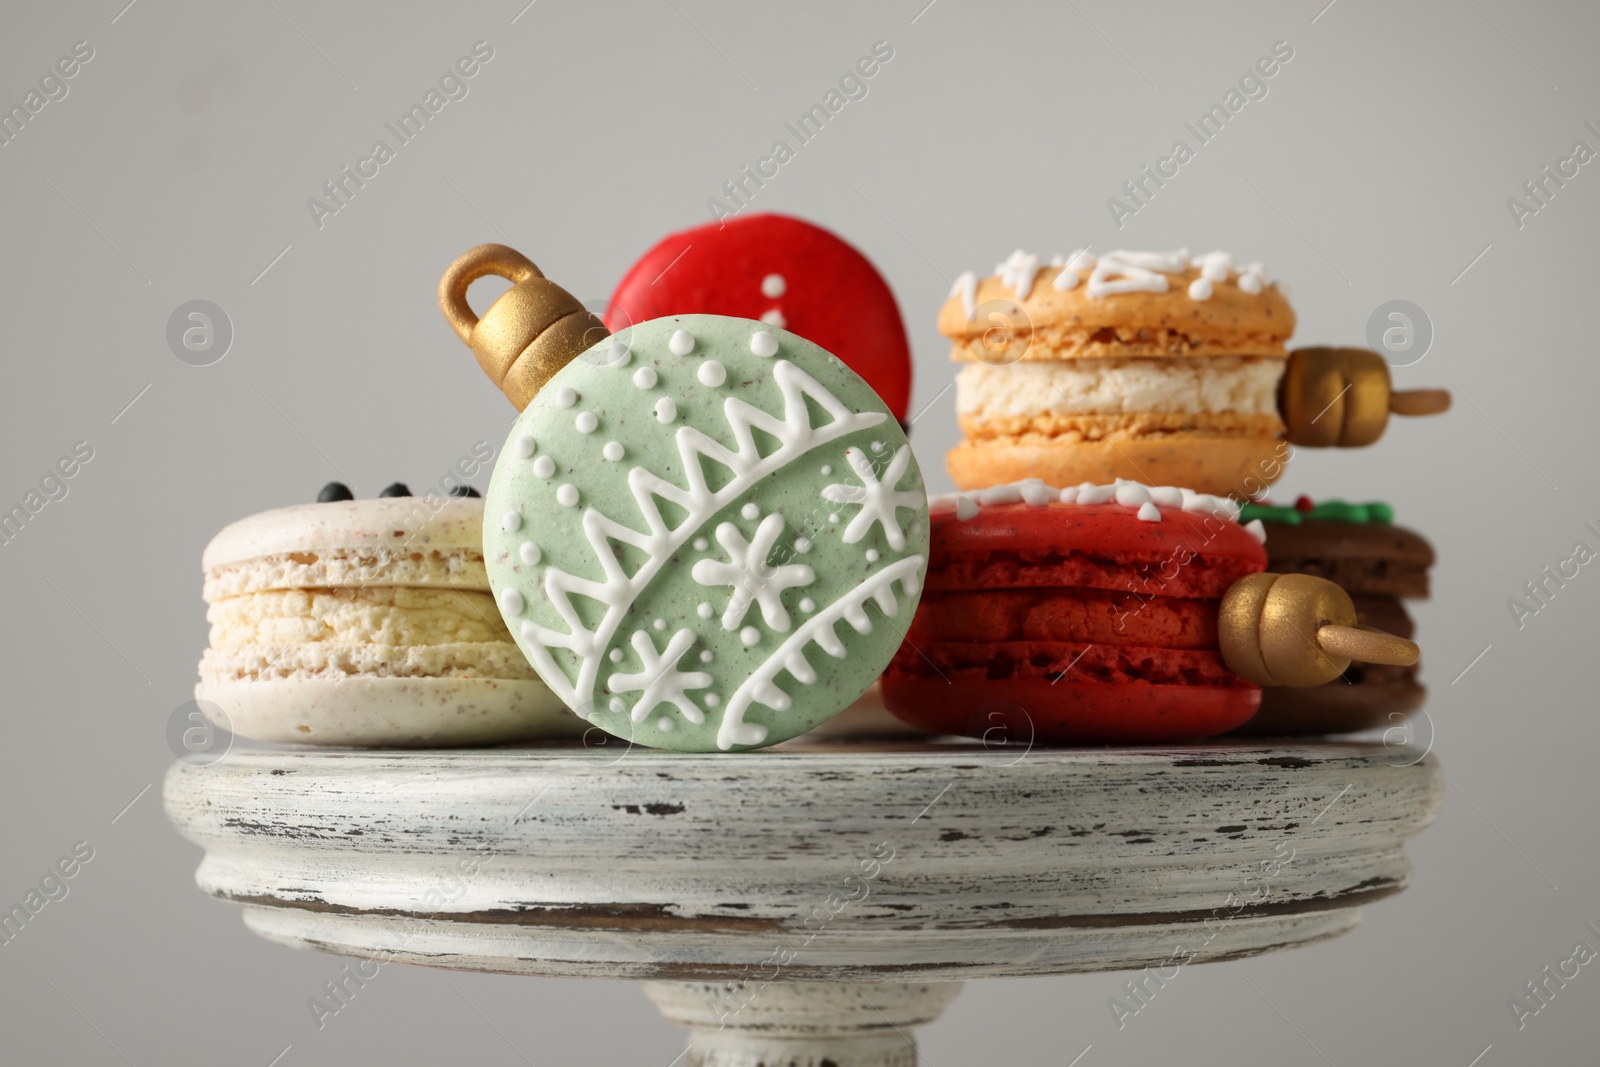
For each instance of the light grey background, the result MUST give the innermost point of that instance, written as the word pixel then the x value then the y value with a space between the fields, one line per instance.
pixel 178 168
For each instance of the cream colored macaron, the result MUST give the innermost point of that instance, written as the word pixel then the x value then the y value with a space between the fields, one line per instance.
pixel 366 623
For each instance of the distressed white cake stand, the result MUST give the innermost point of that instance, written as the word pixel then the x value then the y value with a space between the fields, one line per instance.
pixel 807 905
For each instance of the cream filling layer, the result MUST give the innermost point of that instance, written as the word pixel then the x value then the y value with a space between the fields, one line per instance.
pixel 1237 385
pixel 397 617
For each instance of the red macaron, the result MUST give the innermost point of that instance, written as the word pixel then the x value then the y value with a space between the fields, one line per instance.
pixel 1066 616
pixel 783 271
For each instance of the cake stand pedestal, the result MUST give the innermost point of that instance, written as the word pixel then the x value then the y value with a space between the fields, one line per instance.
pixel 814 903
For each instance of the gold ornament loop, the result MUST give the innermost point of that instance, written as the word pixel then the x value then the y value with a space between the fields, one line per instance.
pixel 500 260
pixel 529 333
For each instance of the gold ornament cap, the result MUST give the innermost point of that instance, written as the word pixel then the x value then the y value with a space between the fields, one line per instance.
pixel 530 332
pixel 1298 630
pixel 1342 397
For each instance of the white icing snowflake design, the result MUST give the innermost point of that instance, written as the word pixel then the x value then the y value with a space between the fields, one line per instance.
pixel 879 499
pixel 751 576
pixel 659 681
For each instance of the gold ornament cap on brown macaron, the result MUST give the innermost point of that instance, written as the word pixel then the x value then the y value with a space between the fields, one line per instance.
pixel 531 330
pixel 1297 630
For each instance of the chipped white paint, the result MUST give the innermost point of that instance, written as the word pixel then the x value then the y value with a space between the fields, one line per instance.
pixel 897 863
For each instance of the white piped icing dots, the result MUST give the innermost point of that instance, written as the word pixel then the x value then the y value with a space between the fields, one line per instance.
pixel 712 373
pixel 1118 272
pixel 1149 499
pixel 774 286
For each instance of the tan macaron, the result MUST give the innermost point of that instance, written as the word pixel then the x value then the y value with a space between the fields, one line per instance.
pixel 1156 367
pixel 368 623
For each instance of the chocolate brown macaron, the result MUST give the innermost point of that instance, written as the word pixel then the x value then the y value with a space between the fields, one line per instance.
pixel 1378 564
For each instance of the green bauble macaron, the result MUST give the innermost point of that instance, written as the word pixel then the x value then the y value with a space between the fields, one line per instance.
pixel 707 534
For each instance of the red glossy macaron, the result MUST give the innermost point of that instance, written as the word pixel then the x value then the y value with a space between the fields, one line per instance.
pixel 784 271
pixel 1065 621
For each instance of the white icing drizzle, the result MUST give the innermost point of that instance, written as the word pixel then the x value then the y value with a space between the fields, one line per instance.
pixel 658 680
pixel 1035 493
pixel 1018 270
pixel 1131 494
pixel 750 576
pixel 760 687
pixel 1134 272
pixel 1121 271
pixel 712 373
pixel 681 343
pixel 1214 266
pixel 1071 269
pixel 966 287
pixel 618 589
pixel 879 500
